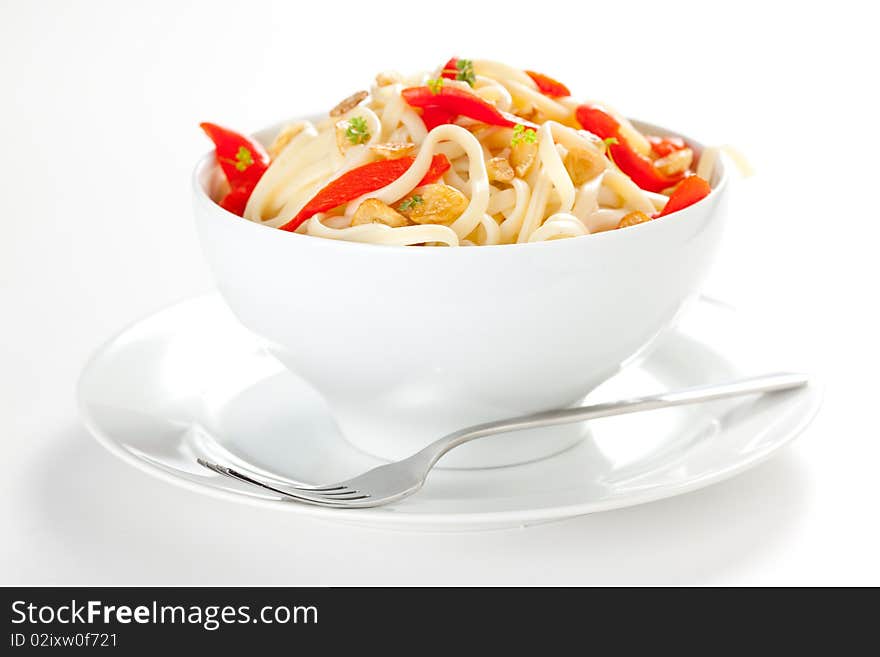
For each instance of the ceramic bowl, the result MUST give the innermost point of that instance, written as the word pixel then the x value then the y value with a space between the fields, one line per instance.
pixel 408 344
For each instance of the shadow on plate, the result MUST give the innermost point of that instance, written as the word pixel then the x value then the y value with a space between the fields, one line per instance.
pixel 121 526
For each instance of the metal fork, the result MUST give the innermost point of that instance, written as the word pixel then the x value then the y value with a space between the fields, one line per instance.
pixel 395 481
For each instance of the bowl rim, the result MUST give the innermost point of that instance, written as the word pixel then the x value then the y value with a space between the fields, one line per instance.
pixel 201 195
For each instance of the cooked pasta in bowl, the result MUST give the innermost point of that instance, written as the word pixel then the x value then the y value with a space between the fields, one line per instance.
pixel 596 229
pixel 477 153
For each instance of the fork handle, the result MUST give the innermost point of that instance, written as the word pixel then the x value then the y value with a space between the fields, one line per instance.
pixel 750 386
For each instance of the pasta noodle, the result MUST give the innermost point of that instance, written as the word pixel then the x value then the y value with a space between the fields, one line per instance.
pixel 477 153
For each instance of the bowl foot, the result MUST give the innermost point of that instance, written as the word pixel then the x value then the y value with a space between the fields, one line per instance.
pixel 390 443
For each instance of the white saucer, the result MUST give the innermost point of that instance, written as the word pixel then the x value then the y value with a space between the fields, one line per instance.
pixel 189 381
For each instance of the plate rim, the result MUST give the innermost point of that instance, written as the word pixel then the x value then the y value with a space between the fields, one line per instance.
pixel 386 517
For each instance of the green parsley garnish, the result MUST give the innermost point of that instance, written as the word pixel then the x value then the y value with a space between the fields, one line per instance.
pixel 523 135
pixel 243 158
pixel 609 142
pixel 410 203
pixel 465 71
pixel 357 131
pixel 435 85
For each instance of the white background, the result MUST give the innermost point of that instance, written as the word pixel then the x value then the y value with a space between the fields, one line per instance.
pixel 97 140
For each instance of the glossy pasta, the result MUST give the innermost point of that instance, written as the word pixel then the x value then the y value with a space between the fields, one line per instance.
pixel 534 174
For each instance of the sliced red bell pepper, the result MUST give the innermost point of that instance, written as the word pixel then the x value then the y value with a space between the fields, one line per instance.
pixel 450 69
pixel 363 180
pixel 638 167
pixel 597 121
pixel 243 162
pixel 434 116
pixel 548 86
pixel 459 69
pixel 456 102
pixel 686 193
pixel 236 200
pixel 663 146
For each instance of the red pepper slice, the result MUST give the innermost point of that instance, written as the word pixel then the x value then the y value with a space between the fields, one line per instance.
pixel 236 200
pixel 456 102
pixel 434 116
pixel 548 86
pixel 663 146
pixel 450 69
pixel 638 167
pixel 363 180
pixel 686 193
pixel 440 164
pixel 598 121
pixel 243 161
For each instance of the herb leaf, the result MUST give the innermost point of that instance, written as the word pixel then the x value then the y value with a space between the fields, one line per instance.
pixel 357 131
pixel 523 135
pixel 465 71
pixel 435 85
pixel 410 203
pixel 608 142
pixel 243 158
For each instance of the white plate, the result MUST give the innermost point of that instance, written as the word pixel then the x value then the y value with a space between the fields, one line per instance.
pixel 189 381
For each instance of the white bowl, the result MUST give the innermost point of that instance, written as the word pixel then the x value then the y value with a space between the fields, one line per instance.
pixel 408 344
